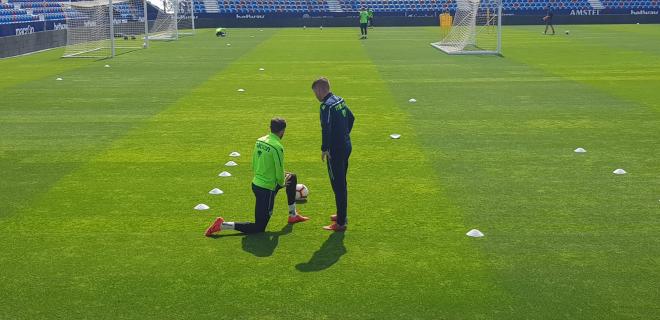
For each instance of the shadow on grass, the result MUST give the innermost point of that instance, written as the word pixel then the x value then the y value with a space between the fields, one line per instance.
pixel 329 253
pixel 264 244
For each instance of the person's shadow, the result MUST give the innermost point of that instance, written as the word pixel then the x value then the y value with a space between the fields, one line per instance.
pixel 329 253
pixel 264 244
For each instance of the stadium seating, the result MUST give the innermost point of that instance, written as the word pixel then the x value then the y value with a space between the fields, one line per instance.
pixel 390 6
pixel 632 4
pixel 30 10
pixel 33 10
pixel 199 6
pixel 442 5
pixel 271 6
pixel 411 6
pixel 50 10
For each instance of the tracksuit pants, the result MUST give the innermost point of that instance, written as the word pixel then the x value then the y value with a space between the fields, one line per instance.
pixel 337 170
pixel 263 207
pixel 363 29
pixel 548 23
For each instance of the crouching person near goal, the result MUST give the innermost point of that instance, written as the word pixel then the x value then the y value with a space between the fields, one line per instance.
pixel 269 178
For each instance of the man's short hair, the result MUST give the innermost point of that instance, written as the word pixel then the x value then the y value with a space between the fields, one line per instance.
pixel 321 83
pixel 277 125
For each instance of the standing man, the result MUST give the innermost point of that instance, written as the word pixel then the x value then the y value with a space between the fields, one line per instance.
pixel 336 125
pixel 548 20
pixel 364 19
pixel 269 177
pixel 371 18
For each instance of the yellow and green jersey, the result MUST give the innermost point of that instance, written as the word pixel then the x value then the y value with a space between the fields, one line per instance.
pixel 268 162
pixel 364 16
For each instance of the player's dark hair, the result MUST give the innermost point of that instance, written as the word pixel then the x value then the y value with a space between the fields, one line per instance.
pixel 277 125
pixel 321 82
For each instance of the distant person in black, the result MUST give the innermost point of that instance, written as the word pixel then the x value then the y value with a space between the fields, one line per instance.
pixel 548 20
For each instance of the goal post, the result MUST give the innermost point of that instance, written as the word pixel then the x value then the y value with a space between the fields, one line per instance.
pixel 105 28
pixel 186 17
pixel 476 28
pixel 175 18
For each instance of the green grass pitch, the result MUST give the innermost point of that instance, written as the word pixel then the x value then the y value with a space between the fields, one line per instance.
pixel 99 174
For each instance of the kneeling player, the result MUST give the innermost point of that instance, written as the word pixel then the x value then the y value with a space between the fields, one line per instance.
pixel 269 178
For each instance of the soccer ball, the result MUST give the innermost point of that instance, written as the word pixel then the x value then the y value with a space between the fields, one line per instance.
pixel 567 32
pixel 301 192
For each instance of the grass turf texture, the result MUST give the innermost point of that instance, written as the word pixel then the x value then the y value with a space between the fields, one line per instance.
pixel 100 172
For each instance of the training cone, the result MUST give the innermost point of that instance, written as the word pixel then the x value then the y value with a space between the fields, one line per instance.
pixel 216 191
pixel 261 69
pixel 202 206
pixel 107 66
pixel 474 233
pixel 241 90
pixel 395 136
pixel 412 100
pixel 580 150
pixel 228 44
pixel 231 164
pixel 59 79
pixel 234 154
pixel 619 171
pixel 224 174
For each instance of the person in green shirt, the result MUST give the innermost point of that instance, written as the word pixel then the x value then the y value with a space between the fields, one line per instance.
pixel 220 32
pixel 269 177
pixel 364 19
pixel 371 18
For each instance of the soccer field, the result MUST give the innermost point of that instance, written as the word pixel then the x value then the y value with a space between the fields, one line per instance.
pixel 99 174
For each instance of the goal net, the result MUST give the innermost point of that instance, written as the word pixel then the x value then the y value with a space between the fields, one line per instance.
pixel 105 28
pixel 175 18
pixel 186 17
pixel 476 28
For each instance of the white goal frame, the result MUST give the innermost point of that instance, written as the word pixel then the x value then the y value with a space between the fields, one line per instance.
pixel 463 37
pixel 170 20
pixel 100 37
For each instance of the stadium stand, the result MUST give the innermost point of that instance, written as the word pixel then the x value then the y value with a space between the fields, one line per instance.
pixel 44 10
pixel 16 11
pixel 632 4
pixel 410 6
pixel 269 6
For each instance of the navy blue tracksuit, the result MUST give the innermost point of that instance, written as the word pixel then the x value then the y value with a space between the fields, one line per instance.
pixel 336 125
pixel 548 21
